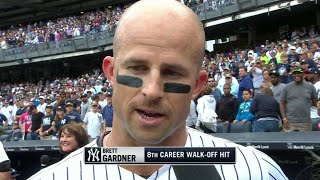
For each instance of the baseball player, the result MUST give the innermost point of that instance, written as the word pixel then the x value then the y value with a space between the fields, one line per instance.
pixel 4 164
pixel 155 73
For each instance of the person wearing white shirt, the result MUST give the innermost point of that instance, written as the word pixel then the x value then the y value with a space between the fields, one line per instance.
pixel 192 117
pixel 42 106
pixel 93 121
pixel 7 110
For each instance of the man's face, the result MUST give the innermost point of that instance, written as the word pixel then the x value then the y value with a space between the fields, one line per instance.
pixel 48 110
pixel 312 76
pixel 297 76
pixel 242 72
pixel 109 99
pixel 84 98
pixel 148 113
pixel 284 59
pixel 211 82
pixel 69 108
pixel 274 79
pixel 101 97
pixel 226 89
pixel 228 80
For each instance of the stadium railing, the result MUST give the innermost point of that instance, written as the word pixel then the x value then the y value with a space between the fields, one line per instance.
pixel 206 11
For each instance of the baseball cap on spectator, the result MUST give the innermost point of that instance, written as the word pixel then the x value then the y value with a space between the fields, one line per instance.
pixel 84 95
pixel 274 72
pixel 226 68
pixel 109 93
pixel 228 76
pixel 223 64
pixel 313 71
pixel 94 103
pixel 304 62
pixel 297 69
pixel 69 104
pixel 41 97
pixel 32 107
pixel 49 106
pixel 293 48
pixel 59 108
pixel 273 52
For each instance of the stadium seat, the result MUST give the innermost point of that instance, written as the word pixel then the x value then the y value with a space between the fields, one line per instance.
pixel 7 128
pixel 239 128
pixel 16 134
pixel 28 137
pixel 221 128
pixel 9 133
pixel 4 138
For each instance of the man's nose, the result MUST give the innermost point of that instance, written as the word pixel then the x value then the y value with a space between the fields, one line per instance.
pixel 152 87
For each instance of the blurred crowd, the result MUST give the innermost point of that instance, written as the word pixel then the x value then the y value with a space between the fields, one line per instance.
pixel 269 88
pixel 103 19
pixel 38 111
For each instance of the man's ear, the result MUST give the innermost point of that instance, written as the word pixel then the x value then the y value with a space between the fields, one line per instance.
pixel 200 83
pixel 108 69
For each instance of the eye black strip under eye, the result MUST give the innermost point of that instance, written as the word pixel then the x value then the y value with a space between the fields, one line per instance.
pixel 129 81
pixel 176 88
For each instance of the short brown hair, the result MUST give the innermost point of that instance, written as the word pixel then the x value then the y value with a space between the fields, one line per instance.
pixel 77 130
pixel 207 90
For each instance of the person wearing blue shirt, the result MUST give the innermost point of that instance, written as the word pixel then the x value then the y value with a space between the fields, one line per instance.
pixel 244 115
pixel 74 116
pixel 107 112
pixel 246 82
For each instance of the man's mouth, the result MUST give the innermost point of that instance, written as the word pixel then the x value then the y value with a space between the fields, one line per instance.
pixel 149 114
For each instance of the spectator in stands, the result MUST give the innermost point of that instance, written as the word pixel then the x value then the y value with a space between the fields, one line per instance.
pixel 72 136
pixel 279 53
pixel 266 79
pixel 107 112
pixel 3 120
pixel 244 115
pixel 293 56
pixel 36 119
pixel 294 115
pixel 234 86
pixel 276 87
pixel 102 99
pixel 256 71
pixel 192 117
pixel 42 106
pixel 93 121
pixel 46 129
pixel 206 108
pixel 60 119
pixel 74 116
pixel 246 83
pixel 7 110
pixel 283 68
pixel 263 57
pixel 234 69
pixel 74 100
pixel 267 112
pixel 215 91
pixel 228 106
pixel 306 60
pixel 85 105
pixel 25 123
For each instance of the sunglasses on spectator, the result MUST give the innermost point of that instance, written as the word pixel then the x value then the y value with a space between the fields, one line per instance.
pixel 210 81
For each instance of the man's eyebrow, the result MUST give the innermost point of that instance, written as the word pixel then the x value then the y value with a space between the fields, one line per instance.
pixel 177 67
pixel 133 61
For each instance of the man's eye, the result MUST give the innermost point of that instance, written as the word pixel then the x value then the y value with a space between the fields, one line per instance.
pixel 137 68
pixel 171 73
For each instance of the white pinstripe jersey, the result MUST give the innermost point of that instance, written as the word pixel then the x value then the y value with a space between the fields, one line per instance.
pixel 251 164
